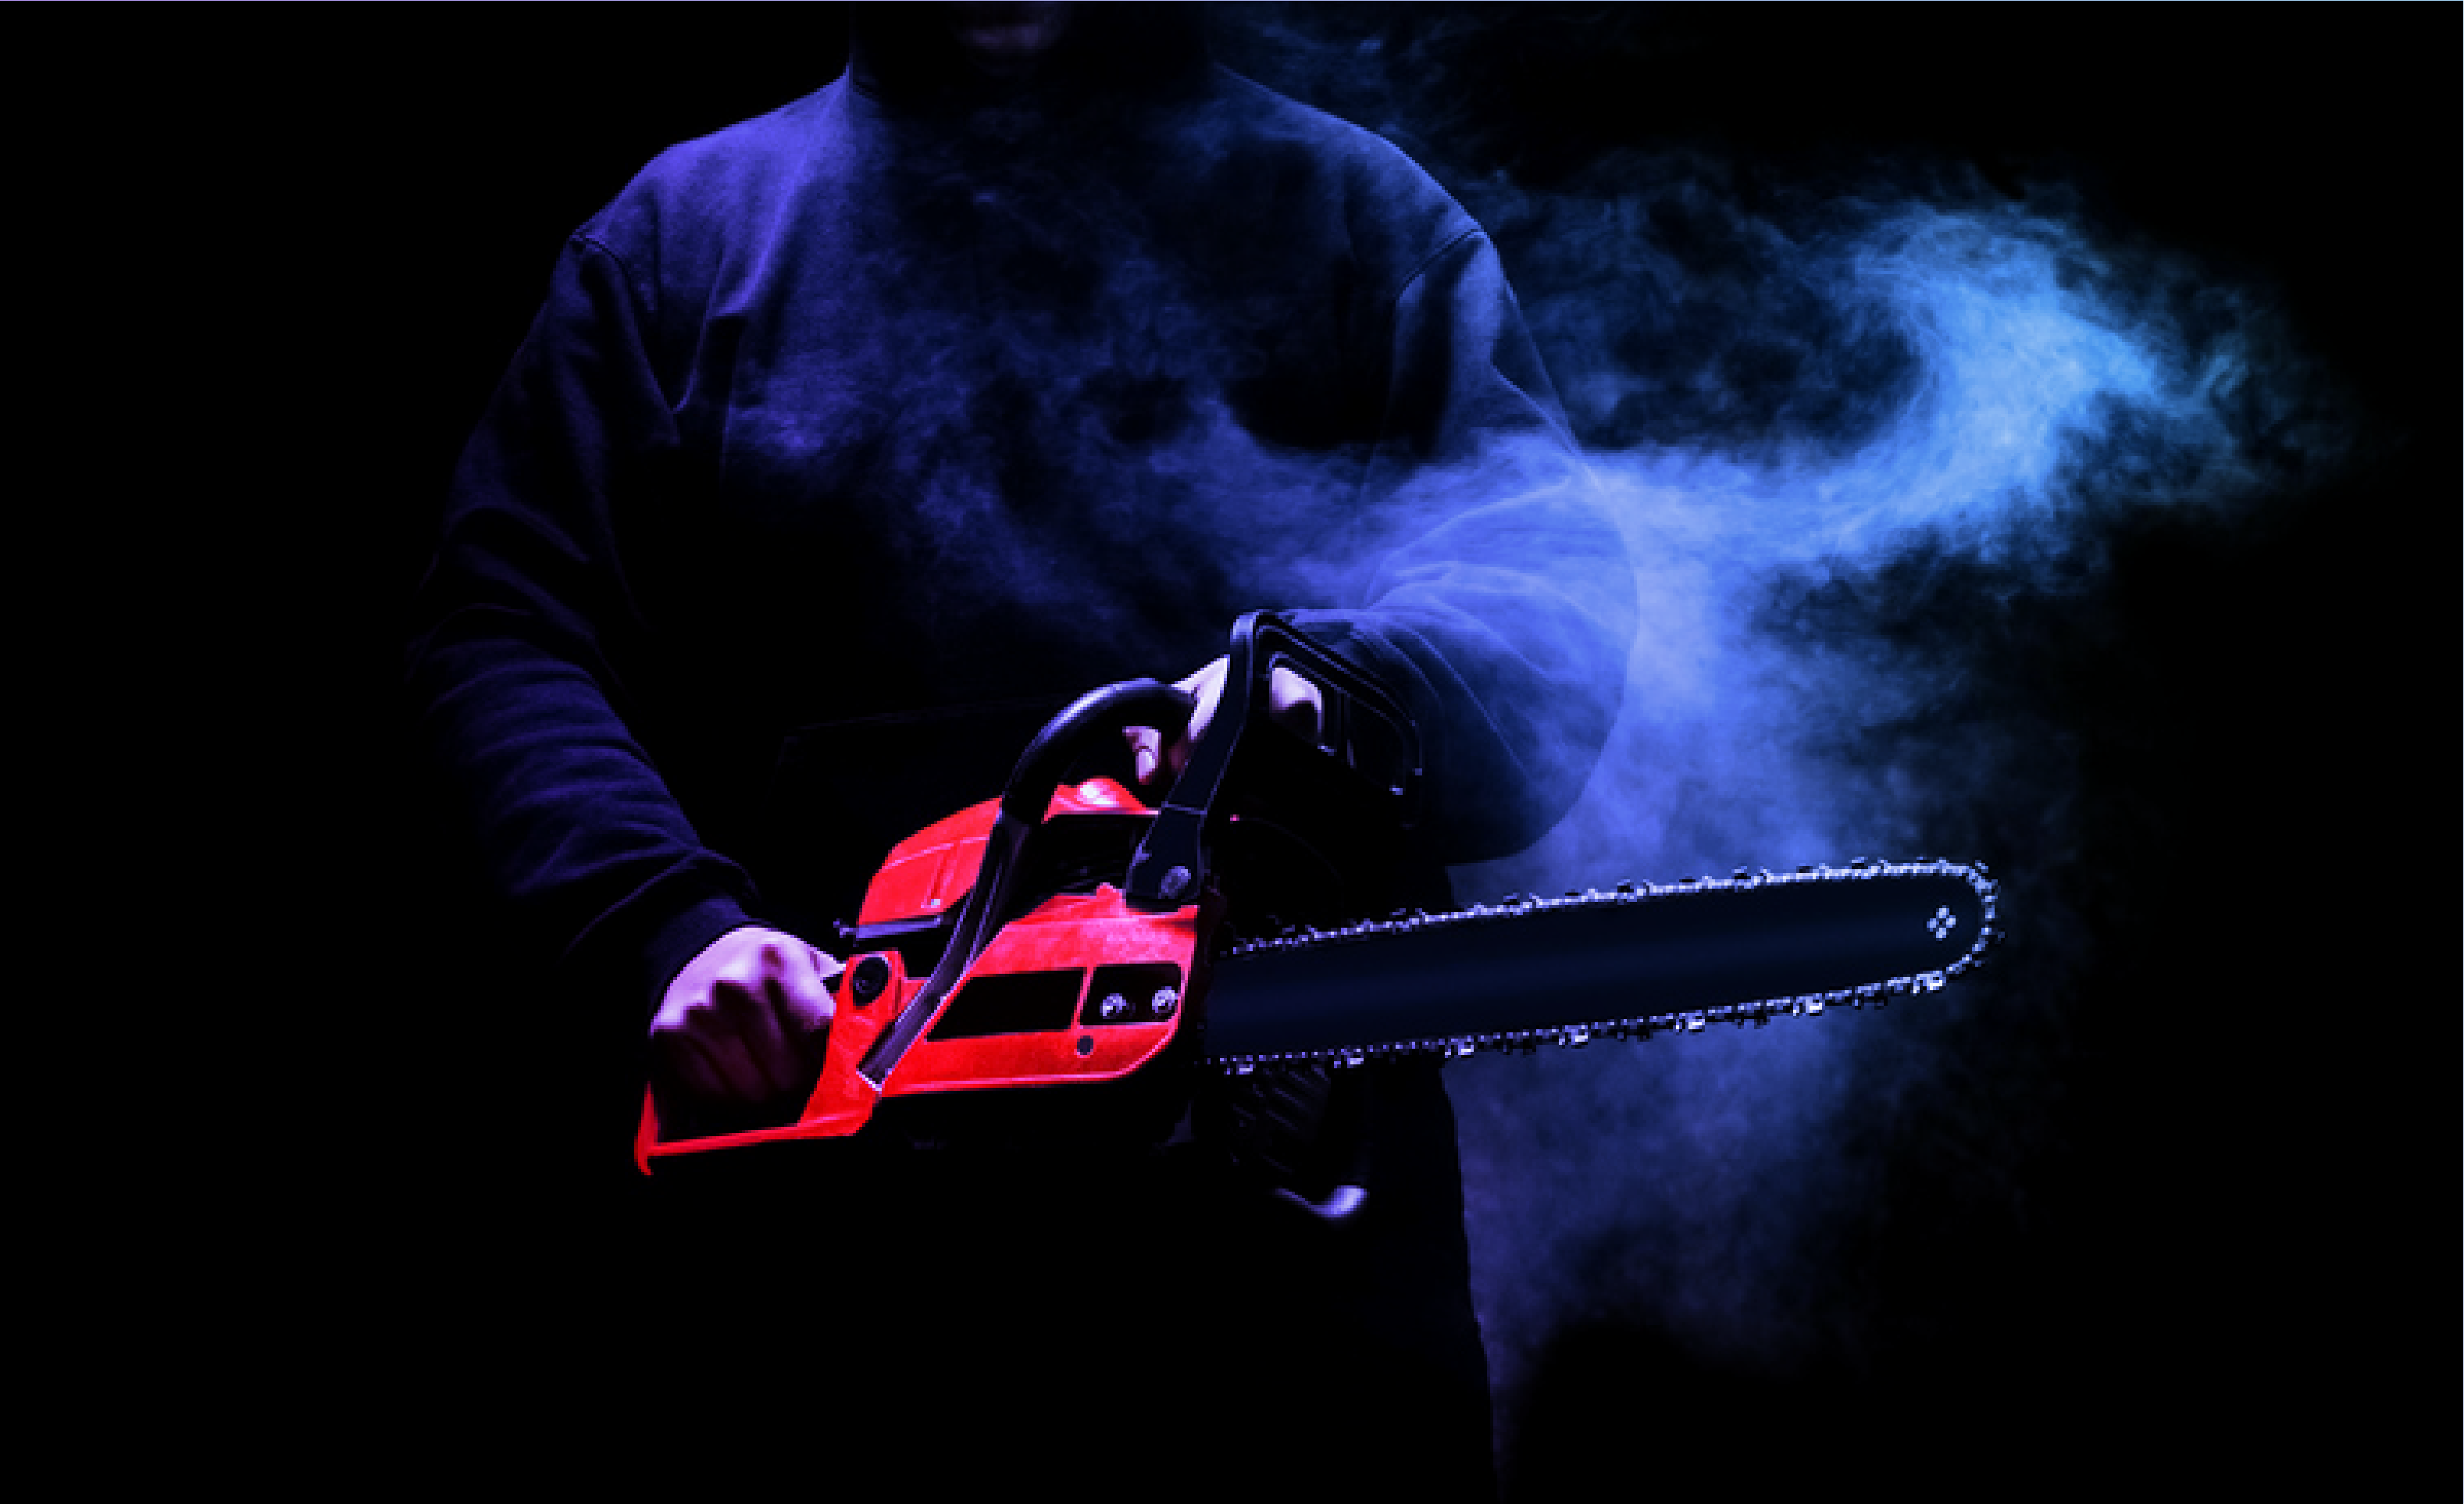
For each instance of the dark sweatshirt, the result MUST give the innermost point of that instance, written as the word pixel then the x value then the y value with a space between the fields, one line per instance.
pixel 905 413
pixel 853 440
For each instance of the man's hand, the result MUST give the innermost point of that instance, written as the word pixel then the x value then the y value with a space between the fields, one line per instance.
pixel 1290 700
pixel 746 1020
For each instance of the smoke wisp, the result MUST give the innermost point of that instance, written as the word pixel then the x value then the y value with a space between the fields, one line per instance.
pixel 1858 438
pixel 1872 430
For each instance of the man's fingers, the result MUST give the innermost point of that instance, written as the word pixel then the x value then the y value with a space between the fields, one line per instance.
pixel 1295 702
pixel 1149 752
pixel 1205 688
pixel 1292 698
pixel 825 968
pixel 719 1064
pixel 786 1021
pixel 751 1049
pixel 802 1000
pixel 749 1018
pixel 683 1061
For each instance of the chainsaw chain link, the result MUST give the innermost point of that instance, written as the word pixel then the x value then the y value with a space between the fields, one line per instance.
pixel 1517 906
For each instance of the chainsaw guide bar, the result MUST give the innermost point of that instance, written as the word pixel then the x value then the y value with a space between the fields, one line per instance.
pixel 1623 963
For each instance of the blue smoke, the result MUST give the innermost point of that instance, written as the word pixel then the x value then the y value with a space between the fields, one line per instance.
pixel 1976 391
pixel 1845 437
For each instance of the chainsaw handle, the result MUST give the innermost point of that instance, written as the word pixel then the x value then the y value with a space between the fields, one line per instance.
pixel 1109 710
pixel 1363 731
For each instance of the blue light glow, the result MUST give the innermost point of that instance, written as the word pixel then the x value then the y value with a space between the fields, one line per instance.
pixel 1882 404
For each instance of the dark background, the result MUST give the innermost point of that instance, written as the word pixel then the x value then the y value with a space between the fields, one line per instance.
pixel 327 229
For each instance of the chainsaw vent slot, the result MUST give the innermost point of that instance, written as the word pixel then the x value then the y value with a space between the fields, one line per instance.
pixel 1017 1002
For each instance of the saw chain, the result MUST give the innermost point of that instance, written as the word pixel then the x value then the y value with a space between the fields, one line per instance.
pixel 1522 908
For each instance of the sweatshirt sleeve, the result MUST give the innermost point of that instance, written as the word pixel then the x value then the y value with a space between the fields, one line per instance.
pixel 1507 610
pixel 524 634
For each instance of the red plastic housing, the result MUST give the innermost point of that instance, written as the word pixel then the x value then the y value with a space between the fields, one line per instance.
pixel 1004 1024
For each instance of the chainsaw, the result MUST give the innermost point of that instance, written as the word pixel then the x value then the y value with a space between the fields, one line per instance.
pixel 1067 954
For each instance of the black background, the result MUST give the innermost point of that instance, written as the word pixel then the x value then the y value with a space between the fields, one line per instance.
pixel 325 232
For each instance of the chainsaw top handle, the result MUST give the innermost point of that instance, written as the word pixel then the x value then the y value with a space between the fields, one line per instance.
pixel 1362 767
pixel 1108 711
pixel 1111 711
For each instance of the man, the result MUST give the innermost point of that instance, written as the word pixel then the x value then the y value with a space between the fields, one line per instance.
pixel 852 441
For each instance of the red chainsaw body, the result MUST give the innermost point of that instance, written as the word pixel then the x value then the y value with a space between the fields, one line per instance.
pixel 1081 987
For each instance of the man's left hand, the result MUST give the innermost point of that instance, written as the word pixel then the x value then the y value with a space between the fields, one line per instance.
pixel 1290 699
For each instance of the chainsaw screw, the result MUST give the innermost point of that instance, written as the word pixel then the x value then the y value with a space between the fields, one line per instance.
pixel 1162 1003
pixel 1113 1007
pixel 1175 882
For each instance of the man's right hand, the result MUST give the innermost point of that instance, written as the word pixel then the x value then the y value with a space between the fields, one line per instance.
pixel 746 1020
